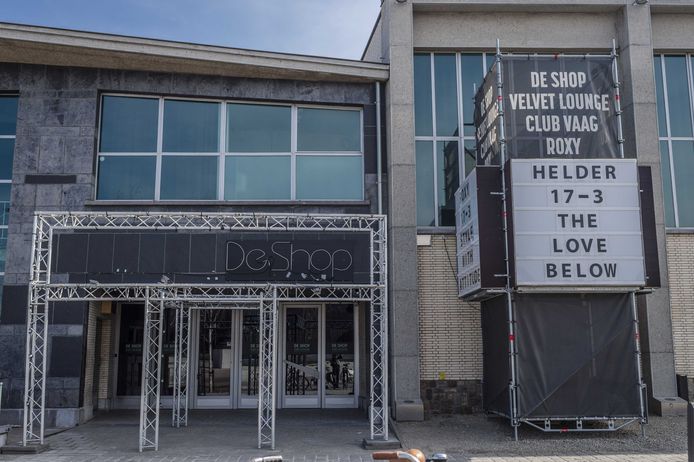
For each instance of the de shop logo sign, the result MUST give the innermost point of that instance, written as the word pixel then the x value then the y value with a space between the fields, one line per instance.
pixel 299 259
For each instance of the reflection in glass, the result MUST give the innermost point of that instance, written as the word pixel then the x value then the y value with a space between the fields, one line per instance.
pixel 471 78
pixel 257 177
pixel 6 158
pixel 132 318
pixel 446 95
pixel 191 126
pixel 8 115
pixel 448 180
pixel 258 128
pixel 683 166
pixel 339 349
pixel 660 95
pixel 301 352
pixel 129 124
pixel 249 353
pixel 188 177
pixel 678 96
pixel 329 177
pixel 422 95
pixel 126 177
pixel 470 156
pixel 667 184
pixel 3 248
pixel 328 130
pixel 214 353
pixel 426 214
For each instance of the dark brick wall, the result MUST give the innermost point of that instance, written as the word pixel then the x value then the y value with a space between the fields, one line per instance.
pixel 451 396
pixel 56 135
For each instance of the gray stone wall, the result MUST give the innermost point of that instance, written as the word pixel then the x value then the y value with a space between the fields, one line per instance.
pixel 56 135
pixel 451 397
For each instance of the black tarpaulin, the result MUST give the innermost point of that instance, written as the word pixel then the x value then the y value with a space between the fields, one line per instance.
pixel 495 360
pixel 576 356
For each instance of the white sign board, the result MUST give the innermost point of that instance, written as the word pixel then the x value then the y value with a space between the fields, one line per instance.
pixel 467 236
pixel 577 222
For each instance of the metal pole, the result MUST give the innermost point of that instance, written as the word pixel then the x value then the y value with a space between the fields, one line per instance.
pixel 617 99
pixel 379 166
pixel 513 408
pixel 641 383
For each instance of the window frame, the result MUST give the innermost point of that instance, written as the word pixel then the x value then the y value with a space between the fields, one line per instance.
pixel 5 227
pixel 668 138
pixel 223 150
pixel 461 138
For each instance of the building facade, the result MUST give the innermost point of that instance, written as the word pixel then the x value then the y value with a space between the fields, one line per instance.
pixel 148 139
pixel 438 52
pixel 90 122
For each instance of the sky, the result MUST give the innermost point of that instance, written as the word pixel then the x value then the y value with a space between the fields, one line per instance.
pixel 335 28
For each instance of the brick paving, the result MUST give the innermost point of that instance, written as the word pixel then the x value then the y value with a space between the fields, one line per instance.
pixel 335 436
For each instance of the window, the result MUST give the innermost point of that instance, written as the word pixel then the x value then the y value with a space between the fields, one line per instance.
pixel 174 149
pixel 444 90
pixel 8 130
pixel 675 100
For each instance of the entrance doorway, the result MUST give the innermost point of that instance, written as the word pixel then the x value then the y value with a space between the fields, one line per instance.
pixel 319 361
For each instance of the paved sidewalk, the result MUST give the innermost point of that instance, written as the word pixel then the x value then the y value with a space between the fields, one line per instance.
pixel 485 439
pixel 335 435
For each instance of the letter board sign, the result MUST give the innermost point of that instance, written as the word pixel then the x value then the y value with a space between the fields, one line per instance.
pixel 559 107
pixel 577 222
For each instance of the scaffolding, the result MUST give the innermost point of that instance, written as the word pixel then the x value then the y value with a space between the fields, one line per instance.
pixel 183 298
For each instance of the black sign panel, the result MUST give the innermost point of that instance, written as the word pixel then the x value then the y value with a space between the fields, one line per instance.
pixel 560 108
pixel 487 120
pixel 213 257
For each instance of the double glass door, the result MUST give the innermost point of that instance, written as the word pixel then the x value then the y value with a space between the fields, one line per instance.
pixel 319 361
pixel 227 358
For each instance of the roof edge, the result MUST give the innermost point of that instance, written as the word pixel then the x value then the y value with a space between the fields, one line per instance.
pixel 46 38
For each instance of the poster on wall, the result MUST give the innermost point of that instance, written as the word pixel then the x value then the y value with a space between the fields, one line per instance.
pixel 559 108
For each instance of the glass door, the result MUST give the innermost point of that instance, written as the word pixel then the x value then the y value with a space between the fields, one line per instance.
pixel 340 359
pixel 214 358
pixel 249 372
pixel 301 366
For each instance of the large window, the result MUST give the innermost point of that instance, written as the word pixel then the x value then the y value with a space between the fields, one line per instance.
pixel 8 131
pixel 175 149
pixel 444 90
pixel 675 102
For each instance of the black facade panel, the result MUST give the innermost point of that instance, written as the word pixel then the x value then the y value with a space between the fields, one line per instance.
pixel 66 356
pixel 152 251
pixel 68 312
pixel 491 241
pixel 650 237
pixel 126 253
pixel 177 253
pixel 100 254
pixel 72 253
pixel 202 253
pixel 14 304
pixel 50 179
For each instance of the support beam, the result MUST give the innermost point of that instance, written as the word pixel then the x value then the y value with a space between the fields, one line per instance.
pixel 35 380
pixel 268 365
pixel 181 367
pixel 151 371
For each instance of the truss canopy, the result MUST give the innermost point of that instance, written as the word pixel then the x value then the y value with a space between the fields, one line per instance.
pixel 315 254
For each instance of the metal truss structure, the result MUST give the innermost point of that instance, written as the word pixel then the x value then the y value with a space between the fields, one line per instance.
pixel 184 297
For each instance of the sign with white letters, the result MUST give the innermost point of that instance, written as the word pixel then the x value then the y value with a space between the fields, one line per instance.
pixel 577 222
pixel 467 236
